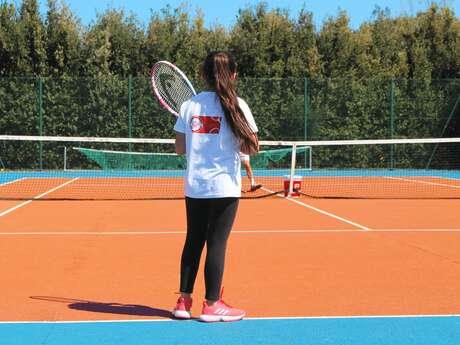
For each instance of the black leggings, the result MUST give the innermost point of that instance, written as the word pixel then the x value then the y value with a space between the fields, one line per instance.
pixel 208 221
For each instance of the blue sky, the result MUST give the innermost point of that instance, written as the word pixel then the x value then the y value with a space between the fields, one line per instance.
pixel 225 12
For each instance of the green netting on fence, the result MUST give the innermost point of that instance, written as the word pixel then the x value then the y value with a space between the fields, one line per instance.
pixel 284 109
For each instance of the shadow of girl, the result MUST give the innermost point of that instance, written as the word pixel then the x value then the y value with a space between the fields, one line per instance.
pixel 107 307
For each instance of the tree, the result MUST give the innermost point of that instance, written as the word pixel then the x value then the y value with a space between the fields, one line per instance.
pixel 336 46
pixel 305 60
pixel 167 35
pixel 9 37
pixel 264 42
pixel 114 45
pixel 63 40
pixel 383 54
pixel 32 37
pixel 438 31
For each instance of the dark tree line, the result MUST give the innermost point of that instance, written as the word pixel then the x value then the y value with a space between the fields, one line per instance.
pixel 267 43
pixel 392 77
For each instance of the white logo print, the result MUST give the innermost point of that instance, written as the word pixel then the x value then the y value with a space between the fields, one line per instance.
pixel 196 123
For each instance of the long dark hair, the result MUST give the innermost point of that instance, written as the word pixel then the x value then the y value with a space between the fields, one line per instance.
pixel 218 71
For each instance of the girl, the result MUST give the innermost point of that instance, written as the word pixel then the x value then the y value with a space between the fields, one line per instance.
pixel 212 129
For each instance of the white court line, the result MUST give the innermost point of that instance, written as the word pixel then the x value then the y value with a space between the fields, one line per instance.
pixel 362 227
pixel 339 317
pixel 36 197
pixel 422 182
pixel 12 181
pixel 239 232
pixel 456 179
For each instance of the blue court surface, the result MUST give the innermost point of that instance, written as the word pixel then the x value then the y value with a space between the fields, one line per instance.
pixel 400 330
pixel 10 176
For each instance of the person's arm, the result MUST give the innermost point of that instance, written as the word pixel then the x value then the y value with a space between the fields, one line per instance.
pixel 256 138
pixel 179 128
pixel 180 143
pixel 252 124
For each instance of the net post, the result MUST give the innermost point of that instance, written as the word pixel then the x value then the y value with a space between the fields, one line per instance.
pixel 65 158
pixel 306 109
pixel 40 117
pixel 292 172
pixel 130 113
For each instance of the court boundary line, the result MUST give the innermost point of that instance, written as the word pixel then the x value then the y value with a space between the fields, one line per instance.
pixel 305 231
pixel 338 317
pixel 12 181
pixel 9 210
pixel 423 182
pixel 457 179
pixel 361 227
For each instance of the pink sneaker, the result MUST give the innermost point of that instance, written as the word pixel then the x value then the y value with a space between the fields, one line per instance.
pixel 182 309
pixel 220 311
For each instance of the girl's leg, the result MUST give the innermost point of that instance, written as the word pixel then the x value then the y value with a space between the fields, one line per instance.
pixel 197 226
pixel 247 167
pixel 254 185
pixel 222 213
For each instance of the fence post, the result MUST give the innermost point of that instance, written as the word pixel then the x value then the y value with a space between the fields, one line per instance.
pixel 40 117
pixel 305 116
pixel 392 120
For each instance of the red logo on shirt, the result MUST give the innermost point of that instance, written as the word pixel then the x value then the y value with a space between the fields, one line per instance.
pixel 205 124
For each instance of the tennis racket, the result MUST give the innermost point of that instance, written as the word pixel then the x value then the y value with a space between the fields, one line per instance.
pixel 170 86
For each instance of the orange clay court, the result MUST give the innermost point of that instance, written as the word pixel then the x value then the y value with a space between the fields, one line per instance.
pixel 119 259
pixel 93 258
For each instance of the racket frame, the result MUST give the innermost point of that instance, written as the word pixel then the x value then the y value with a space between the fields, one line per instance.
pixel 155 88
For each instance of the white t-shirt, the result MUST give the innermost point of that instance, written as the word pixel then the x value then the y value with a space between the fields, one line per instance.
pixel 212 151
pixel 244 157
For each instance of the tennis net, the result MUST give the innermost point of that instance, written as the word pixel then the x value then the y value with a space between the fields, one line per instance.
pixel 80 168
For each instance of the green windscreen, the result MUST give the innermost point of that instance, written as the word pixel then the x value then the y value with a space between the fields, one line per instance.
pixel 121 160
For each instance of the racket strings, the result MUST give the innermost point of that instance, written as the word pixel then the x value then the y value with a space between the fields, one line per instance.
pixel 173 89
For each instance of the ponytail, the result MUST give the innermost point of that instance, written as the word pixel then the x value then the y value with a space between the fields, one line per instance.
pixel 218 70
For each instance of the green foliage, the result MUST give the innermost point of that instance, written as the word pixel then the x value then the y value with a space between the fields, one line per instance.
pixel 392 77
pixel 32 36
pixel 63 45
pixel 335 44
pixel 266 43
pixel 9 35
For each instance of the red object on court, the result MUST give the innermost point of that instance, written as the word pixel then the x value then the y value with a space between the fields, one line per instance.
pixel 296 186
pixel 205 124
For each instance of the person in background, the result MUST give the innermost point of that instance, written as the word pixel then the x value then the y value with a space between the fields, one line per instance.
pixel 247 166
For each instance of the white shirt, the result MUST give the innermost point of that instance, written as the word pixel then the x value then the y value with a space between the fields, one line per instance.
pixel 212 151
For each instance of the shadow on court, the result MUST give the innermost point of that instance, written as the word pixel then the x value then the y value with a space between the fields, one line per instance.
pixel 107 307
